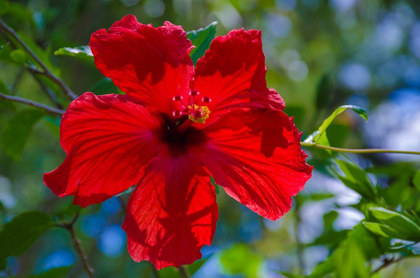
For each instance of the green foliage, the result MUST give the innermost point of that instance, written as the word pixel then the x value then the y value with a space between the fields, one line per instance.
pixel 201 39
pixel 18 56
pixel 320 136
pixel 81 52
pixel 239 259
pixel 58 272
pixel 324 91
pixel 19 234
pixel 394 225
pixel 15 133
pixel 356 179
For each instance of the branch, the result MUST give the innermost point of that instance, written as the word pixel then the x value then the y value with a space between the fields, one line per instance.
pixel 342 150
pixel 33 103
pixel 76 242
pixel 183 272
pixel 387 263
pixel 45 71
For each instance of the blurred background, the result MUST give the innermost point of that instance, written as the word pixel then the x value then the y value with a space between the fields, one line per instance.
pixel 320 54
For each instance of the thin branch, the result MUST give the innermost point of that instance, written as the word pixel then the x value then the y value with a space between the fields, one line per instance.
pixel 183 272
pixel 387 263
pixel 33 103
pixel 69 227
pixel 299 246
pixel 45 71
pixel 342 150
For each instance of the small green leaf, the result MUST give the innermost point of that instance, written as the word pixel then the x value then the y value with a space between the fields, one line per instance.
pixel 356 178
pixel 416 180
pixel 57 272
pixel 397 221
pixel 201 39
pixel 21 232
pixel 82 52
pixel 382 230
pixel 18 55
pixel 16 131
pixel 330 119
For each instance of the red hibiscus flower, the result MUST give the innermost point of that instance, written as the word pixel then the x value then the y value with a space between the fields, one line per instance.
pixel 176 126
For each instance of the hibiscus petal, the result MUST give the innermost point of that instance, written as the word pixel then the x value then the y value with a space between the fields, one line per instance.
pixel 108 140
pixel 232 73
pixel 172 213
pixel 151 64
pixel 257 158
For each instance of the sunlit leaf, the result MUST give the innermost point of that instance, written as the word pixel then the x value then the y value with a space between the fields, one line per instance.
pixel 322 129
pixel 201 39
pixel 382 230
pixel 356 178
pixel 82 52
pixel 407 228
pixel 16 131
pixel 17 235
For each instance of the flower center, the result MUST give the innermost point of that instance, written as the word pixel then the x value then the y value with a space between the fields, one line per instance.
pixel 195 110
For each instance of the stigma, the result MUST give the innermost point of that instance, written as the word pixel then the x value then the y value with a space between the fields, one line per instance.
pixel 196 110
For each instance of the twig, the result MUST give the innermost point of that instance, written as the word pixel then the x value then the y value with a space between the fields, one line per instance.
pixel 45 71
pixel 299 246
pixel 76 242
pixel 387 263
pixel 342 150
pixel 183 272
pixel 33 103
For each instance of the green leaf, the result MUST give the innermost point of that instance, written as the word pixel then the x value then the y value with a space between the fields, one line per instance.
pixel 330 119
pixel 356 178
pixel 195 266
pixel 381 230
pixel 103 87
pixel 416 180
pixel 18 55
pixel 201 39
pixel 57 272
pixel 81 52
pixel 16 131
pixel 20 233
pixel 407 228
pixel 239 259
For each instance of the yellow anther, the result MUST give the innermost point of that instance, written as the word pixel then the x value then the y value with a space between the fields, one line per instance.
pixel 198 114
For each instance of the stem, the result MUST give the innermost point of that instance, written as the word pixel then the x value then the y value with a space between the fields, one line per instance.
pixel 299 246
pixel 183 272
pixel 342 150
pixel 33 103
pixel 387 263
pixel 76 242
pixel 45 71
